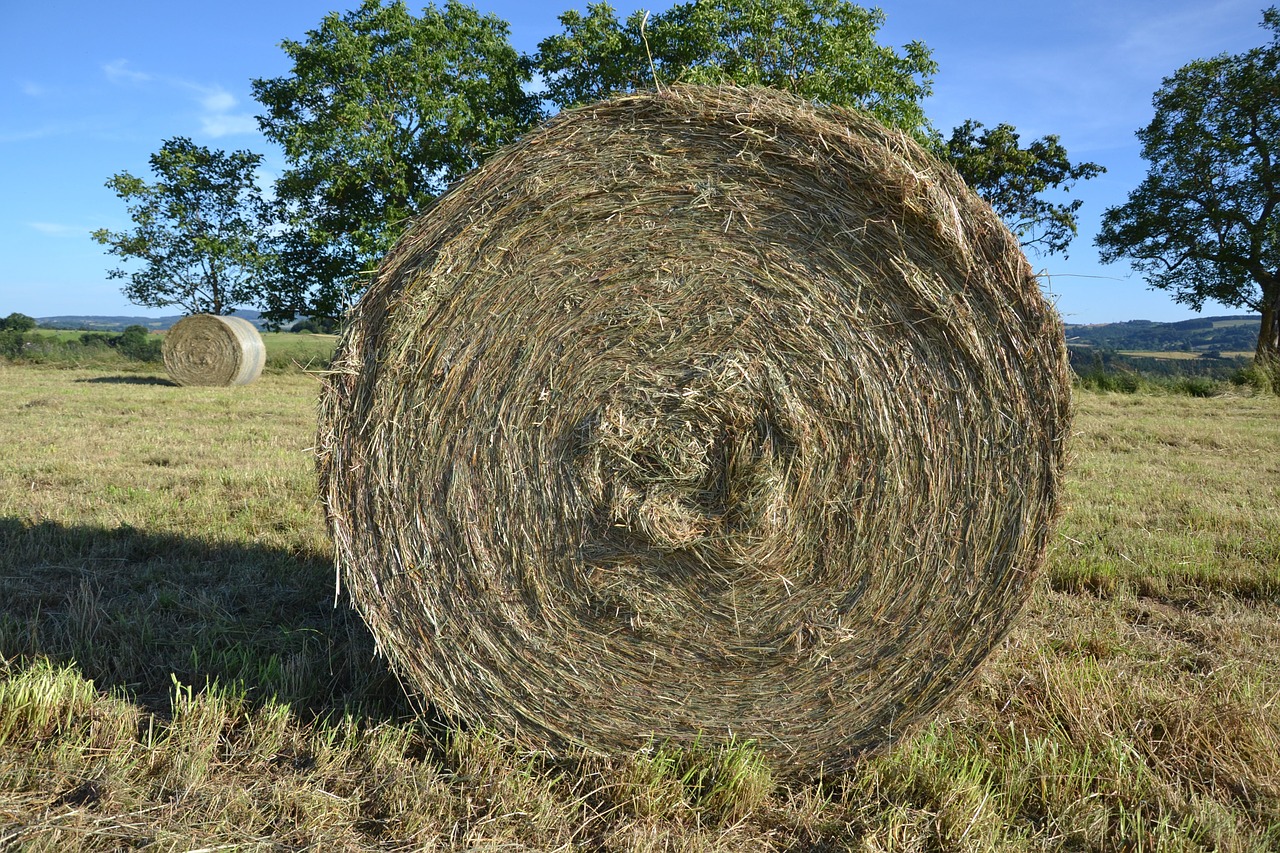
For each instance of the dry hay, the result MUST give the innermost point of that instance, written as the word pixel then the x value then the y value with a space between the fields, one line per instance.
pixel 208 349
pixel 701 413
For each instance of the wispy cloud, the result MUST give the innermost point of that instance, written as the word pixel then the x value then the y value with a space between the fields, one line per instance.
pixel 41 132
pixel 57 229
pixel 1165 42
pixel 118 71
pixel 218 116
pixel 228 125
pixel 1093 83
pixel 216 99
pixel 33 90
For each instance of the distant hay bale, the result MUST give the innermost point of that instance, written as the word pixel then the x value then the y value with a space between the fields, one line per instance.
pixel 704 413
pixel 208 349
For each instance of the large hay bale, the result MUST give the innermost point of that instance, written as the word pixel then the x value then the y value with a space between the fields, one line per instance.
pixel 706 411
pixel 208 349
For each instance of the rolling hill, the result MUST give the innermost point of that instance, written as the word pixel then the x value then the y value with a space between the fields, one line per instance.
pixel 1199 335
pixel 118 324
pixel 1228 334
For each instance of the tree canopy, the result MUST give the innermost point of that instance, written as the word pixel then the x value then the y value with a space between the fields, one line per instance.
pixel 1205 222
pixel 1013 180
pixel 382 110
pixel 824 50
pixel 201 230
pixel 16 322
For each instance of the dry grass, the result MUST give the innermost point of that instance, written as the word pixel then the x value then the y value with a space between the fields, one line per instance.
pixel 705 414
pixel 1165 354
pixel 147 529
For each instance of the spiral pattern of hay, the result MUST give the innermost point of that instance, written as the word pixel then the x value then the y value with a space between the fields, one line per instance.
pixel 208 349
pixel 704 413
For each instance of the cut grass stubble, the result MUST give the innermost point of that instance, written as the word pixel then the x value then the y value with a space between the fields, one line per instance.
pixel 175 673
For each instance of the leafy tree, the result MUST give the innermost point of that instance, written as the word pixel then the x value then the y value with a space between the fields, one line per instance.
pixel 381 111
pixel 316 326
pixel 1204 222
pixel 99 340
pixel 11 343
pixel 823 50
pixel 1012 179
pixel 16 322
pixel 200 230
pixel 13 334
pixel 138 343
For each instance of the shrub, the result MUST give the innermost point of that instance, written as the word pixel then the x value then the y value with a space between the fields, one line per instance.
pixel 134 344
pixel 1099 379
pixel 17 323
pixel 1197 386
pixel 97 340
pixel 1263 378
pixel 316 325
pixel 11 342
pixel 137 343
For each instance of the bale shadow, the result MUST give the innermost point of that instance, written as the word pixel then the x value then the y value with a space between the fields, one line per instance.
pixel 135 610
pixel 130 380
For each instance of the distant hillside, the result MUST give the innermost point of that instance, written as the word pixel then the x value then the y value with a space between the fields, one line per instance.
pixel 118 324
pixel 1203 334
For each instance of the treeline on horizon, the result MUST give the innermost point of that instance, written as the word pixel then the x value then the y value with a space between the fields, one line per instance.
pixel 1103 357
pixel 1237 334
pixel 1222 334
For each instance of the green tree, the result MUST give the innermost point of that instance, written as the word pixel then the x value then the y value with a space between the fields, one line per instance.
pixel 824 50
pixel 1013 180
pixel 1204 223
pixel 316 326
pixel 16 322
pixel 381 112
pixel 13 334
pixel 138 343
pixel 200 230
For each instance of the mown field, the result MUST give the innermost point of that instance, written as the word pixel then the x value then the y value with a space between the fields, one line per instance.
pixel 177 673
pixel 91 350
pixel 1179 356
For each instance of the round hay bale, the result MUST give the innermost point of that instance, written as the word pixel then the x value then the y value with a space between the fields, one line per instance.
pixel 697 414
pixel 208 349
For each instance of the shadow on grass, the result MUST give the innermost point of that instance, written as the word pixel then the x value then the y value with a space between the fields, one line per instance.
pixel 136 610
pixel 129 380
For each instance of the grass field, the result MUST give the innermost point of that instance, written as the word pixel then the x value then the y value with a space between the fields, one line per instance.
pixel 285 351
pixel 174 674
pixel 1171 356
pixel 1178 355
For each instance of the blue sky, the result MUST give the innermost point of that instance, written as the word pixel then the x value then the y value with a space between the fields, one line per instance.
pixel 88 89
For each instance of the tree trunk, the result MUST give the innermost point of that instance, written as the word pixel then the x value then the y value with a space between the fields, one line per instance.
pixel 1268 352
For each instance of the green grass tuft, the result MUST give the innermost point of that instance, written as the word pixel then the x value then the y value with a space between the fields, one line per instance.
pixel 174 673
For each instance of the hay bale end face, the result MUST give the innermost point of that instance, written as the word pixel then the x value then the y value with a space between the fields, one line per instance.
pixel 208 349
pixel 704 413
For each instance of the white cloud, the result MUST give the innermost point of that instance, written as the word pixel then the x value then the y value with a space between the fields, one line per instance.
pixel 228 125
pixel 218 119
pixel 217 99
pixel 1091 81
pixel 31 133
pixel 216 103
pixel 56 229
pixel 1159 44
pixel 33 90
pixel 119 72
